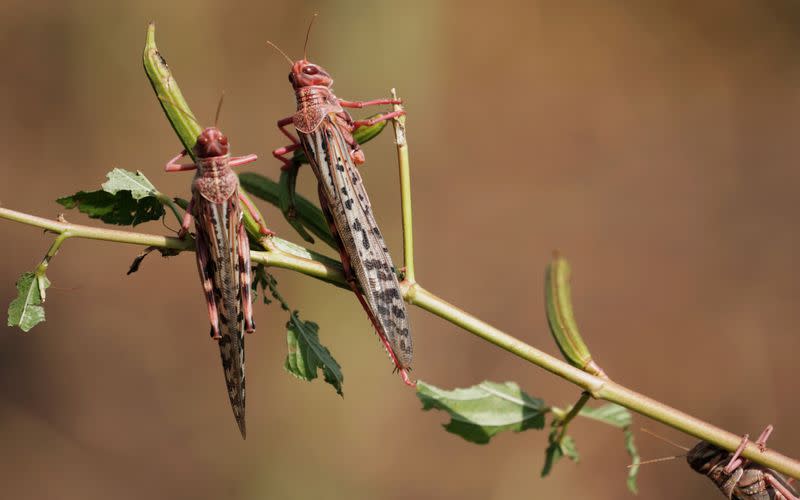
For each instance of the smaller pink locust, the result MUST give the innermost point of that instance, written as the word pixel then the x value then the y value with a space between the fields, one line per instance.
pixel 325 132
pixel 736 477
pixel 223 252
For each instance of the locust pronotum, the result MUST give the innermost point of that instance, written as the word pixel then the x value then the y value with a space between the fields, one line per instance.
pixel 223 252
pixel 325 131
pixel 737 478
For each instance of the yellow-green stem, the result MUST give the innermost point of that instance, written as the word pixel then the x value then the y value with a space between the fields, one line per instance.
pixel 401 140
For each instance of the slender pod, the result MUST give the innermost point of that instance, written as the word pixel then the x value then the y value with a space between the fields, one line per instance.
pixel 325 134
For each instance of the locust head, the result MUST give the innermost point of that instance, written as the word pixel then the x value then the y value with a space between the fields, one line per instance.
pixel 211 142
pixel 306 74
pixel 705 456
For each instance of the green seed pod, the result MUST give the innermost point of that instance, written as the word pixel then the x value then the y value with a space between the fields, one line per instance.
pixel 558 306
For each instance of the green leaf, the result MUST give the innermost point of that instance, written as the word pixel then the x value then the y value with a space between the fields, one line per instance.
pixel 305 212
pixel 288 202
pixel 120 209
pixel 306 355
pixel 557 449
pixel 619 417
pixel 135 183
pixel 479 412
pixel 611 414
pixel 127 199
pixel 630 446
pixel 26 310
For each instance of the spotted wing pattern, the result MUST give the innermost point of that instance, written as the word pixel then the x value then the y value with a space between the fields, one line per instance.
pixel 348 207
pixel 227 267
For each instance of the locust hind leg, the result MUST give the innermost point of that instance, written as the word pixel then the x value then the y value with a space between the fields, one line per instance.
pixel 205 268
pixel 243 251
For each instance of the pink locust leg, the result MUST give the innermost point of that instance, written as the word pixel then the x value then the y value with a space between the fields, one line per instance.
pixel 282 123
pixel 203 259
pixel 778 486
pixel 238 161
pixel 381 118
pixel 174 166
pixel 250 208
pixel 245 278
pixel 187 220
pixel 280 152
pixel 363 104
pixel 736 459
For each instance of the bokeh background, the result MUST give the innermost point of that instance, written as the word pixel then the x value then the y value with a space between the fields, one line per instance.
pixel 652 143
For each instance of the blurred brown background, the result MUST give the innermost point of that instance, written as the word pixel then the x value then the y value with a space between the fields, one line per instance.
pixel 655 146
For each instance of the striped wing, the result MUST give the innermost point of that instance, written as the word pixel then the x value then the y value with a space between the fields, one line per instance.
pixel 218 228
pixel 351 213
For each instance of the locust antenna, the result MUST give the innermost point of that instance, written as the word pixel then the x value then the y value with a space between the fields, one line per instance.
pixel 676 445
pixel 219 108
pixel 308 33
pixel 291 63
pixel 656 460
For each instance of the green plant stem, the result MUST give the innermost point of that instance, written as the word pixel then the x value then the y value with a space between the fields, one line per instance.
pixel 286 255
pixel 399 125
pixel 571 414
pixel 168 201
pixel 598 387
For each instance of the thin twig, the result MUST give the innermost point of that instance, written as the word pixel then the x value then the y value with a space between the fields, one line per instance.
pixel 286 255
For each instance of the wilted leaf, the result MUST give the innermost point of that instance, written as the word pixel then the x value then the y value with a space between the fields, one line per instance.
pixel 556 450
pixel 26 310
pixel 137 261
pixel 634 453
pixel 479 412
pixel 306 355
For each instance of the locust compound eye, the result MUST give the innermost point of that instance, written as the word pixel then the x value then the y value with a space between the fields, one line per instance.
pixel 310 70
pixel 223 140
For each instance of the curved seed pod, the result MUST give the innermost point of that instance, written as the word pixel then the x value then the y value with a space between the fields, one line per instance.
pixel 560 318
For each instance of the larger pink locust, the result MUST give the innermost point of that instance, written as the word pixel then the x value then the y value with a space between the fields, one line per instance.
pixel 325 132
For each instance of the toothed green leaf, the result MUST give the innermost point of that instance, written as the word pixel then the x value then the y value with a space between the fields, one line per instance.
pixel 630 446
pixel 479 412
pixel 556 450
pixel 306 355
pixel 135 183
pixel 611 414
pixel 26 310
pixel 127 199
